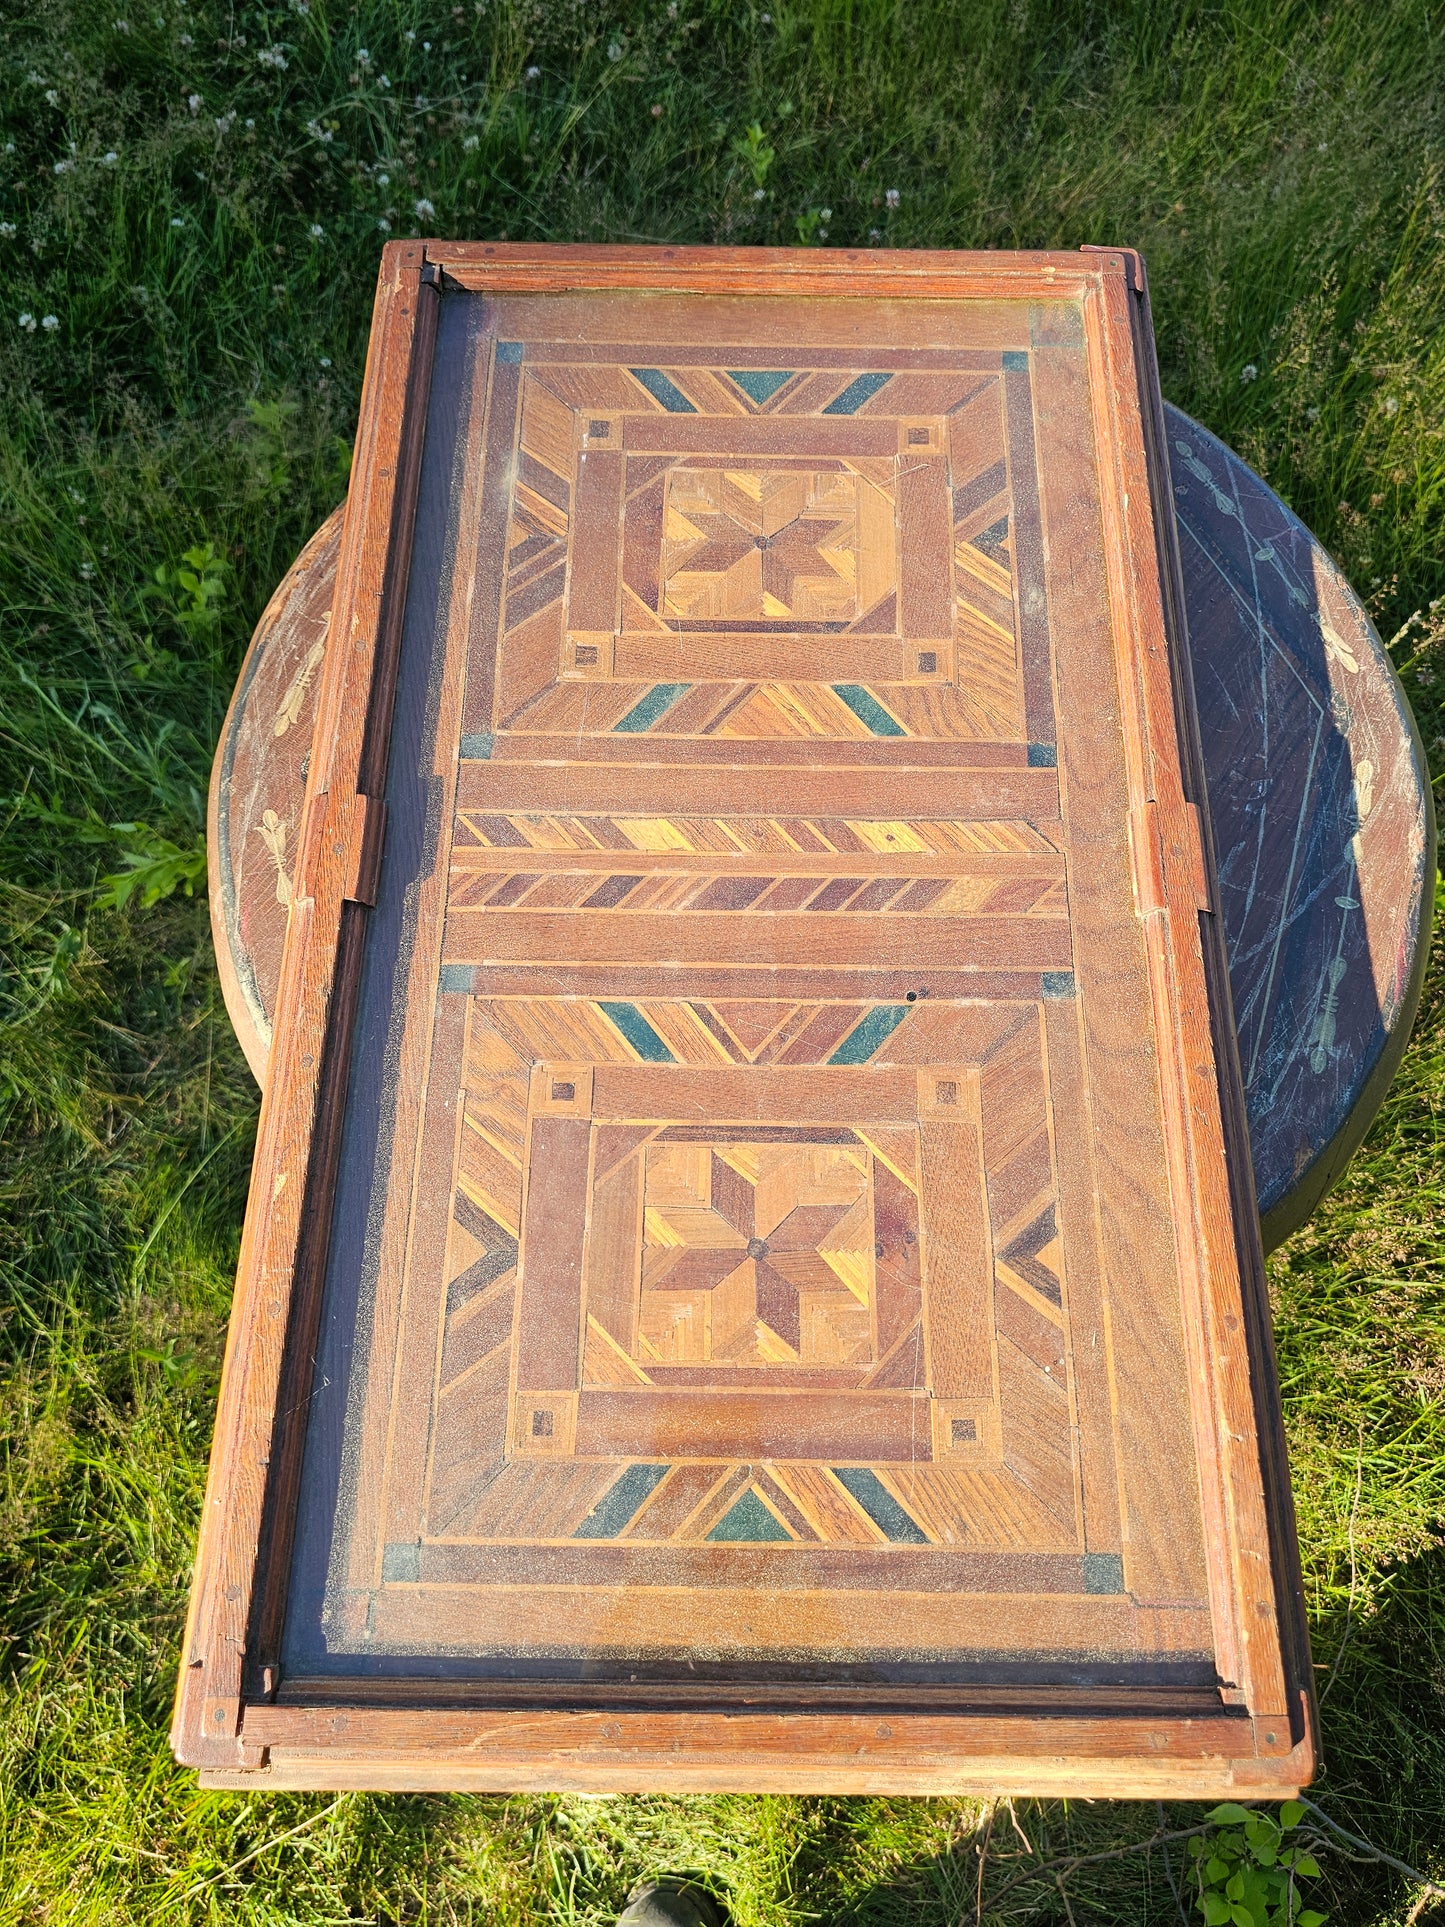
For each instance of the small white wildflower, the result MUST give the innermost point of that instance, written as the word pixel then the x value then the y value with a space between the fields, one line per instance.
pixel 657 110
pixel 424 210
pixel 75 495
pixel 614 50
pixel 384 224
pixel 470 144
pixel 194 102
pixel 50 322
pixel 122 26
pixel 326 361
pixel 9 147
pixel 225 122
pixel 383 80
pixel 250 123
pixel 52 98
pixel 825 214
pixel 1249 372
pixel 767 19
pixel 1324 147
pixel 672 9
pixel 316 231
pixel 271 57
pixel 63 167
pixel 186 40
pixel 318 132
pixel 177 221
pixel 1312 414
pixel 892 197
pixel 7 230
pixel 35 80
pixel 141 291
pixel 421 103
pixel 27 322
pixel 535 73
pixel 1391 404
pixel 110 159
pixel 410 34
pixel 87 570
pixel 238 40
pixel 759 193
pixel 426 46
pixel 363 58
pixel 383 180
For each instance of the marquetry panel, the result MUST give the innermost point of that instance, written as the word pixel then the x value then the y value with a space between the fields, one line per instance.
pixel 761 1252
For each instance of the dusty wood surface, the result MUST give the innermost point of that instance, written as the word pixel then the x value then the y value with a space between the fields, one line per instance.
pixel 767 1157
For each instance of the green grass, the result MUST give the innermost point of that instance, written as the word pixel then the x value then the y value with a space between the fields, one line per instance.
pixel 209 264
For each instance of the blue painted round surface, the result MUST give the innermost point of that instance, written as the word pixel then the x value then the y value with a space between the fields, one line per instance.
pixel 1323 829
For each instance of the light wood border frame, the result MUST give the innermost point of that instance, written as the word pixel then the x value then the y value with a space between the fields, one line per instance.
pixel 1258 1734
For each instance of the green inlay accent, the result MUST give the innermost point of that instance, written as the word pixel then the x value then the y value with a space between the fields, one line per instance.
pixel 401 1561
pixel 456 977
pixel 760 384
pixel 643 715
pixel 638 1032
pixel 1043 756
pixel 665 391
pixel 509 351
pixel 855 394
pixel 867 708
pixel 880 1505
pixel 1103 1572
pixel 748 1518
pixel 477 748
pixel 1056 985
pixel 620 1502
pixel 861 1042
pixel 1015 357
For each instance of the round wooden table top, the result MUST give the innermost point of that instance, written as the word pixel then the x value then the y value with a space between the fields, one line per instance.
pixel 1318 795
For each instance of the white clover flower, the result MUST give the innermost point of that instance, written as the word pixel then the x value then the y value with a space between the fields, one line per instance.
pixel 1391 404
pixel 271 57
pixel 759 193
pixel 50 323
pixel 421 103
pixel 194 102
pixel 424 210
pixel 1249 372
pixel 535 73
pixel 316 231
pixel 326 361
pixel 825 214
pixel 177 221
pixel 767 19
pixel 657 110
pixel 1312 414
pixel 122 26
pixel 426 46
pixel 384 224
pixel 27 322
pixel 186 40
pixel 35 80
pixel 363 58
pixel 470 144
pixel 614 50
pixel 7 230
pixel 892 197
pixel 383 80
pixel 410 34
pixel 383 180
pixel 75 495
pixel 110 158
pixel 52 98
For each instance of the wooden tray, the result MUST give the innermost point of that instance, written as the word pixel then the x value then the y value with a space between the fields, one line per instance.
pixel 752 1276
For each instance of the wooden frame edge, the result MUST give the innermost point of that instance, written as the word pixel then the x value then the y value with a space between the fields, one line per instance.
pixel 283 1244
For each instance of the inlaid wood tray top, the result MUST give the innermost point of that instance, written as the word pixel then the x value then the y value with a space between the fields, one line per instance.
pixel 752 1276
